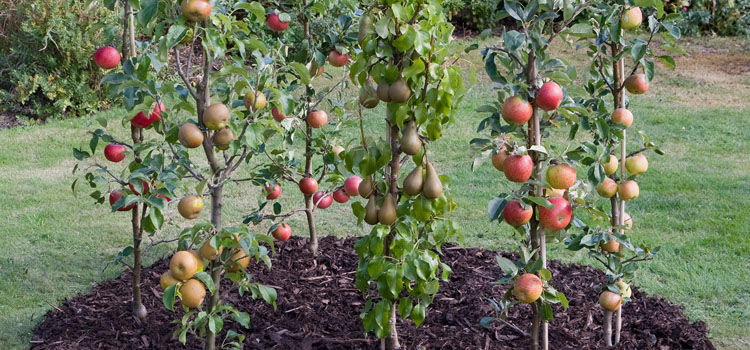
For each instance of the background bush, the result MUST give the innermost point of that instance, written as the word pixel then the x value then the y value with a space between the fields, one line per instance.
pixel 715 17
pixel 45 55
pixel 474 14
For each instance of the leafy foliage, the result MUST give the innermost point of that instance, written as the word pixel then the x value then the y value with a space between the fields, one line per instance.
pixel 46 56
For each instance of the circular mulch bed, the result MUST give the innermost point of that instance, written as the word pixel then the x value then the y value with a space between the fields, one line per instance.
pixel 319 306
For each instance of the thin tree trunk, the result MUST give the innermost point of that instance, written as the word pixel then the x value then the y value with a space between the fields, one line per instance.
pixel 139 310
pixel 608 328
pixel 309 205
pixel 214 266
pixel 618 211
pixel 394 165
pixel 537 237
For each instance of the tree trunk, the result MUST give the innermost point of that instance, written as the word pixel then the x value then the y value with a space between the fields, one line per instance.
pixel 215 265
pixel 394 165
pixel 309 205
pixel 139 310
pixel 618 211
pixel 608 328
pixel 536 235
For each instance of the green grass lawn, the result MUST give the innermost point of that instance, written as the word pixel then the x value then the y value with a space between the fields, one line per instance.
pixel 694 201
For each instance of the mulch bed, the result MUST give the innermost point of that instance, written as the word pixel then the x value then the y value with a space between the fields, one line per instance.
pixel 319 306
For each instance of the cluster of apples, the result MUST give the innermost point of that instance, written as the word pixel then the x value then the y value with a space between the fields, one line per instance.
pixel 183 266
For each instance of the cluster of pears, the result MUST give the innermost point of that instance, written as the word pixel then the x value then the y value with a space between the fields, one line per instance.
pixel 398 91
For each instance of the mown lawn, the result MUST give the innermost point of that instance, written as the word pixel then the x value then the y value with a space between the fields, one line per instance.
pixel 694 201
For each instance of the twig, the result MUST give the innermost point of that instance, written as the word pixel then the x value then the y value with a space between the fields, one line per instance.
pixel 570 20
pixel 153 243
pixel 182 75
pixel 328 92
pixel 117 179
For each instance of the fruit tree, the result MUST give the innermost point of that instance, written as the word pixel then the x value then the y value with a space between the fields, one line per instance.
pixel 617 32
pixel 403 51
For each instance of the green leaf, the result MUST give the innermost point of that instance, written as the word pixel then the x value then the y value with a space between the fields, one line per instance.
pixel 563 300
pixel 268 294
pixel 147 12
pixel 175 34
pixel 417 314
pixel 243 318
pixel 546 312
pixel 302 72
pixel 404 307
pixel 168 297
pixel 204 277
pixel 508 267
pixel 545 274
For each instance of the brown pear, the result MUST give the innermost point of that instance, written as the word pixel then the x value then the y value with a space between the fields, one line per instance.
pixel 410 142
pixel 413 182
pixel 371 211
pixel 399 91
pixel 368 98
pixel 432 188
pixel 365 28
pixel 366 187
pixel 387 213
pixel 383 91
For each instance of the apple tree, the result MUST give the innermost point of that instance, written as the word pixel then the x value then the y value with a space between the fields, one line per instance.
pixel 403 51
pixel 532 104
pixel 209 133
pixel 304 34
pixel 617 33
pixel 146 185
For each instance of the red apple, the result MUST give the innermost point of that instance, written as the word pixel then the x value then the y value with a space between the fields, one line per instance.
pixel 515 215
pixel 322 200
pixel 196 10
pixel 607 188
pixel 528 288
pixel 610 301
pixel 340 195
pixel 115 196
pixel 337 59
pixel 273 191
pixel 114 152
pixel 622 116
pixel 107 57
pixel 549 96
pixel 274 22
pixel 637 84
pixel 516 110
pixel 561 176
pixel 628 190
pixel 498 157
pixel 277 115
pixel 558 217
pixel 282 232
pixel 141 120
pixel 145 188
pixel 317 118
pixel 518 168
pixel 351 185
pixel 308 185
pixel 155 116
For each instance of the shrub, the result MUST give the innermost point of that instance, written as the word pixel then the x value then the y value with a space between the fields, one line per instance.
pixel 45 56
pixel 726 18
pixel 474 14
